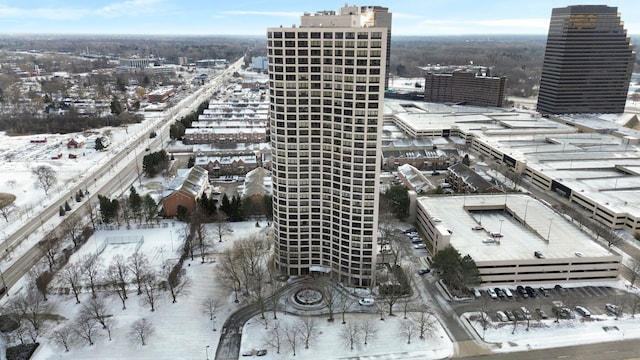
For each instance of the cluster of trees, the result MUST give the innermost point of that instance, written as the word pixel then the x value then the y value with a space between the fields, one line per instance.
pixel 458 273
pixel 177 129
pixel 29 123
pixel 155 163
pixel 128 208
pixel 396 201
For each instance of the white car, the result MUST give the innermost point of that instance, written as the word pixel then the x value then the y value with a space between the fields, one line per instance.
pixel 492 293
pixel 436 219
pixel 420 246
pixel 502 316
pixel 489 241
pixel 366 302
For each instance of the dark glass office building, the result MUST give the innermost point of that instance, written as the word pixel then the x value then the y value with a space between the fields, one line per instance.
pixel 588 62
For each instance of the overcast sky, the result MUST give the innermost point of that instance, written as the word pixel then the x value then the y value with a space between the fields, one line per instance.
pixel 252 17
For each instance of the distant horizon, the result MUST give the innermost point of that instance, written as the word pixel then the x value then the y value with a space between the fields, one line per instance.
pixel 252 17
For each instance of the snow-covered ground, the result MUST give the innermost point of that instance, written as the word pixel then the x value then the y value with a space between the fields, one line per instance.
pixel 543 334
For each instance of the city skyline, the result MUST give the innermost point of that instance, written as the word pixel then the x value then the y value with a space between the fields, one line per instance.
pixel 164 17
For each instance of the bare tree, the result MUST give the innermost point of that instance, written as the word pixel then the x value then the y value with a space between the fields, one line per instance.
pixel 95 309
pixel 292 335
pixel 380 307
pixel 71 275
pixel 29 310
pixel 200 233
pixel 109 323
pixel 46 177
pixel 92 213
pixel 229 271
pixel 7 205
pixel 211 306
pixel 345 304
pixel 424 321
pixel 139 266
pixel 175 278
pixel 350 334
pixel 369 331
pixel 64 336
pixel 150 290
pixel 221 225
pixel 330 295
pixel 41 278
pixel 50 246
pixel 141 329
pixel 275 337
pixel 92 269
pixel 125 210
pixel 308 330
pixel 408 329
pixel 72 226
pixel 86 329
pixel 634 267
pixel 118 277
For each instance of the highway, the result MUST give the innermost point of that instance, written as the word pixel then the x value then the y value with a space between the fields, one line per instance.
pixel 110 179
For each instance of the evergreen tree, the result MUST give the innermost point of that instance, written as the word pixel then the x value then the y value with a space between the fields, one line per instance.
pixel 62 212
pixel 135 203
pixel 116 107
pixel 67 207
pixel 225 205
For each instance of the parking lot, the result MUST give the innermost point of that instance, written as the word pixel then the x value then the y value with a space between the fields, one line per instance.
pixel 593 298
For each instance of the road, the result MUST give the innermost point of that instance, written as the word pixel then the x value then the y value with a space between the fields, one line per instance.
pixel 111 178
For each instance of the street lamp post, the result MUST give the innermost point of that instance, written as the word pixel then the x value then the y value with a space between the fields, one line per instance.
pixel 206 350
pixel 501 221
pixel 526 206
pixel 549 232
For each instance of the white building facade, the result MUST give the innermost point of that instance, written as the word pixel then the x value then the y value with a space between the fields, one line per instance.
pixel 326 84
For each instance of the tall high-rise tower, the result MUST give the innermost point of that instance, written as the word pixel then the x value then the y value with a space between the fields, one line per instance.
pixel 326 87
pixel 588 62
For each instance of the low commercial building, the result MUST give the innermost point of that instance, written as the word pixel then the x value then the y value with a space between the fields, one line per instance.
pixel 514 239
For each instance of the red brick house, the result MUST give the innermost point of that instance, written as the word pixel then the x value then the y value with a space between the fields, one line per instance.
pixel 185 191
pixel 76 142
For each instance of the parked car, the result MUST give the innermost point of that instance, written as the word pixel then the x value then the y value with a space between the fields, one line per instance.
pixel 424 271
pixel 476 292
pixel 531 291
pixel 507 292
pixel 410 230
pixel 613 309
pixel 416 240
pixel 366 302
pixel 564 313
pixel 522 292
pixel 559 288
pixel 420 246
pixel 544 291
pixel 519 315
pixel 497 234
pixel 510 315
pixel 538 254
pixel 501 316
pixel 436 219
pixel 478 227
pixel 489 241
pixel 499 292
pixel 583 311
pixel 525 312
pixel 492 293
pixel 541 314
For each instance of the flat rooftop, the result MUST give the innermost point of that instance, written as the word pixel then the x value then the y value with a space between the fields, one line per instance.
pixel 460 213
